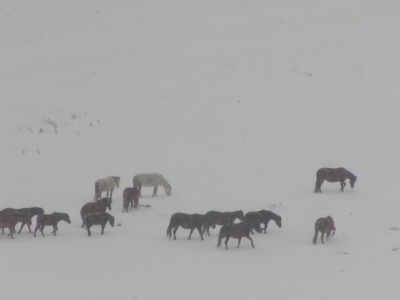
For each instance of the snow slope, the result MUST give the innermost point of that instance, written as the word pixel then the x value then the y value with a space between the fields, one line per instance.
pixel 237 104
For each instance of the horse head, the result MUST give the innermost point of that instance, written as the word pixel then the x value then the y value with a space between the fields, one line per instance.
pixel 168 189
pixel 108 203
pixel 278 221
pixel 65 217
pixel 112 220
pixel 353 181
pixel 239 214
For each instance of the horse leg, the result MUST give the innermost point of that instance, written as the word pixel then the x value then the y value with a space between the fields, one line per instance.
pixel 41 229
pixel 175 229
pixel 102 228
pixel 190 235
pixel 239 239
pixel 88 230
pixel 251 240
pixel 226 241
pixel 12 230
pixel 318 186
pixel 22 226
pixel 140 190
pixel 201 235
pixel 111 192
pixel 265 227
pixel 155 191
pixel 83 220
pixel 322 237
pixel 342 184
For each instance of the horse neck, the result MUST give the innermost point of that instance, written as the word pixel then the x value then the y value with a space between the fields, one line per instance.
pixel 349 175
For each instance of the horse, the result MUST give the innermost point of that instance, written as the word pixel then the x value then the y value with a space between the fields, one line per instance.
pixel 98 206
pixel 334 175
pixel 50 220
pixel 8 220
pixel 151 180
pixel 130 196
pixel 221 218
pixel 263 217
pixel 32 211
pixel 237 231
pixel 20 215
pixel 98 218
pixel 105 185
pixel 185 221
pixel 324 225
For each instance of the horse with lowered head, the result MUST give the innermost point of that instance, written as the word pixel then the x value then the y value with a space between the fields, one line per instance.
pixel 324 225
pixel 105 185
pixel 151 180
pixel 98 206
pixel 334 175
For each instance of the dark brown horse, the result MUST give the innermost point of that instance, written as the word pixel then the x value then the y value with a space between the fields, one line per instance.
pixel 334 175
pixel 185 221
pixel 98 206
pixel 324 225
pixel 237 231
pixel 98 218
pixel 50 220
pixel 130 196
pixel 8 220
pixel 213 218
pixel 263 217
pixel 20 215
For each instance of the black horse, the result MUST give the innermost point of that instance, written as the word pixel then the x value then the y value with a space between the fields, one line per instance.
pixel 263 217
pixel 185 221
pixel 32 211
pixel 334 175
pixel 98 218
pixel 50 220
pixel 213 218
pixel 237 231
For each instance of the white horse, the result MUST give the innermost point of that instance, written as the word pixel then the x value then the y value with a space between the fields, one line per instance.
pixel 151 180
pixel 105 185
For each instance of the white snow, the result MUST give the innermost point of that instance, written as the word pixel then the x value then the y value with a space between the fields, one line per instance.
pixel 237 104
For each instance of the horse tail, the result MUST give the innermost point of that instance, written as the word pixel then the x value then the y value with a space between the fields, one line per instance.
pixel 169 229
pixel 96 190
pixel 317 224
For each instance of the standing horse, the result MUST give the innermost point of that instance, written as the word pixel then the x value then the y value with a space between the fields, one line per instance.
pixel 324 225
pixel 237 231
pixel 98 206
pixel 151 180
pixel 130 196
pixel 105 185
pixel 334 175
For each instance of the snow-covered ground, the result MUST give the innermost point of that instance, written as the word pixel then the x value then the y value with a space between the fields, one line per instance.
pixel 237 104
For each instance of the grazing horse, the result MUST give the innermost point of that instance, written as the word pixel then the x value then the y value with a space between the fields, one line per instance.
pixel 20 215
pixel 151 180
pixel 334 175
pixel 98 206
pixel 50 220
pixel 324 225
pixel 237 231
pixel 8 220
pixel 185 221
pixel 98 218
pixel 130 196
pixel 105 185
pixel 221 218
pixel 263 217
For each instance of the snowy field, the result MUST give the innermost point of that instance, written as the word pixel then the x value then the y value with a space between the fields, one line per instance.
pixel 237 104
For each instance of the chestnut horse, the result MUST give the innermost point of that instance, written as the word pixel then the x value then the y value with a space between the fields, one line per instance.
pixel 324 225
pixel 98 206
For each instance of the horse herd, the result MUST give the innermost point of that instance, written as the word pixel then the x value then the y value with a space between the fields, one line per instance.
pixel 252 220
pixel 94 213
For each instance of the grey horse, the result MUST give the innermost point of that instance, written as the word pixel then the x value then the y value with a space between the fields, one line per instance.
pixel 151 180
pixel 105 185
